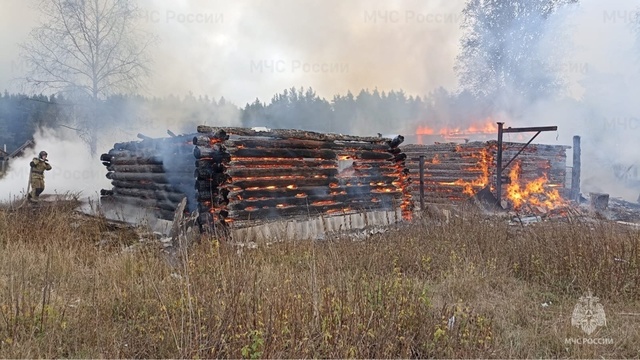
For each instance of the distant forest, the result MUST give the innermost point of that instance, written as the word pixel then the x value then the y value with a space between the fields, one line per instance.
pixel 367 113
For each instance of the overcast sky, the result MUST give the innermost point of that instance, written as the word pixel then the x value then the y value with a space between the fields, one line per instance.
pixel 249 48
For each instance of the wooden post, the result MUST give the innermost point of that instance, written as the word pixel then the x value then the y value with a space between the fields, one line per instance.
pixel 575 170
pixel 499 166
pixel 422 182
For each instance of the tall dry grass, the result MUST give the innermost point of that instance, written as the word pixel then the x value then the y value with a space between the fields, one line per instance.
pixel 72 286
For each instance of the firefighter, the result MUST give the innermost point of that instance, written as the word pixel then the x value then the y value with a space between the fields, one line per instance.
pixel 38 167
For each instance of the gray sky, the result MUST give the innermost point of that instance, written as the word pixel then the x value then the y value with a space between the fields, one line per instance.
pixel 248 48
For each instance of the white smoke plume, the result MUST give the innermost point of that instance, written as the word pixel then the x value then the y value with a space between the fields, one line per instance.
pixel 245 49
pixel 600 63
pixel 73 171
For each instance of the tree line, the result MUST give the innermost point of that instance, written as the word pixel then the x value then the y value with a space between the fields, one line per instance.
pixel 366 113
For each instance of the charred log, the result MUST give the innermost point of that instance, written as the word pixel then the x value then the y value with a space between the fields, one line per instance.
pixel 213 155
pixel 173 197
pixel 136 160
pixel 143 185
pixel 137 168
pixel 285 153
pixel 274 213
pixel 145 203
pixel 262 143
pixel 151 177
pixel 292 134
pixel 216 179
pixel 280 163
pixel 310 172
pixel 280 183
pixel 396 141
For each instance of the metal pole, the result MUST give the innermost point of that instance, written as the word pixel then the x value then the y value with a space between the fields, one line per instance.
pixel 499 165
pixel 421 182
pixel 575 170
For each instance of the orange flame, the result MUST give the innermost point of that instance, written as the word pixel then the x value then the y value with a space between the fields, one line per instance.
pixel 487 126
pixel 472 187
pixel 533 193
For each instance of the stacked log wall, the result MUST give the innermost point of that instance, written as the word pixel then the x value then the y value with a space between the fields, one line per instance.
pixel 246 177
pixel 454 172
pixel 155 174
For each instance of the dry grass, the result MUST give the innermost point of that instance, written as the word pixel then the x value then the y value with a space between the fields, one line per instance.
pixel 68 288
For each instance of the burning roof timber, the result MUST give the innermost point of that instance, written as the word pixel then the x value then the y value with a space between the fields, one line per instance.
pixel 454 172
pixel 244 177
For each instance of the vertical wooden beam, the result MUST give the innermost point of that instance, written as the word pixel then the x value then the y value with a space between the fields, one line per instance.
pixel 499 165
pixel 575 170
pixel 421 182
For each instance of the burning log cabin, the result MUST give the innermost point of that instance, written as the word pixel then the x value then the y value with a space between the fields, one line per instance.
pixel 244 177
pixel 247 176
pixel 455 172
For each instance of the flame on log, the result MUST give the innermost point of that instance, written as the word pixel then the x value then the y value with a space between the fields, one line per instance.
pixel 290 172
pixel 454 172
pixel 237 175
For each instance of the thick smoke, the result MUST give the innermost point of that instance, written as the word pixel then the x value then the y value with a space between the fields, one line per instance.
pixel 245 49
pixel 600 66
pixel 73 170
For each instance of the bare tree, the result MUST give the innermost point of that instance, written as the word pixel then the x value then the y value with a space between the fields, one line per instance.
pixel 87 49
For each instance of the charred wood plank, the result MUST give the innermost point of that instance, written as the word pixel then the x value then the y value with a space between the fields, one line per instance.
pixel 438 178
pixel 311 200
pixel 150 177
pixel 261 143
pixel 237 173
pixel 216 179
pixel 291 134
pixel 285 202
pixel 284 153
pixel 206 185
pixel 282 163
pixel 136 160
pixel 137 168
pixel 280 183
pixel 211 138
pixel 173 197
pixel 214 155
pixel 210 166
pixel 106 157
pixel 144 185
pixel 275 213
pixel 145 203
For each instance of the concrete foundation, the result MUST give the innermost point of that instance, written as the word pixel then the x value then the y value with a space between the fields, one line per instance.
pixel 315 228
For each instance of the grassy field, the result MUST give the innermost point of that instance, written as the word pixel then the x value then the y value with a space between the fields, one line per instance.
pixel 72 286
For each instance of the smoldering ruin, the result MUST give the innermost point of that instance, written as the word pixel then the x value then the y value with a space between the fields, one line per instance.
pixel 237 180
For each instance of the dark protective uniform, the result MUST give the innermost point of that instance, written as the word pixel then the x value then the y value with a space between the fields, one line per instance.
pixel 38 167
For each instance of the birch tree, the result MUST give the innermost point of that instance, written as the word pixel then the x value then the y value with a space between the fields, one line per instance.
pixel 88 50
